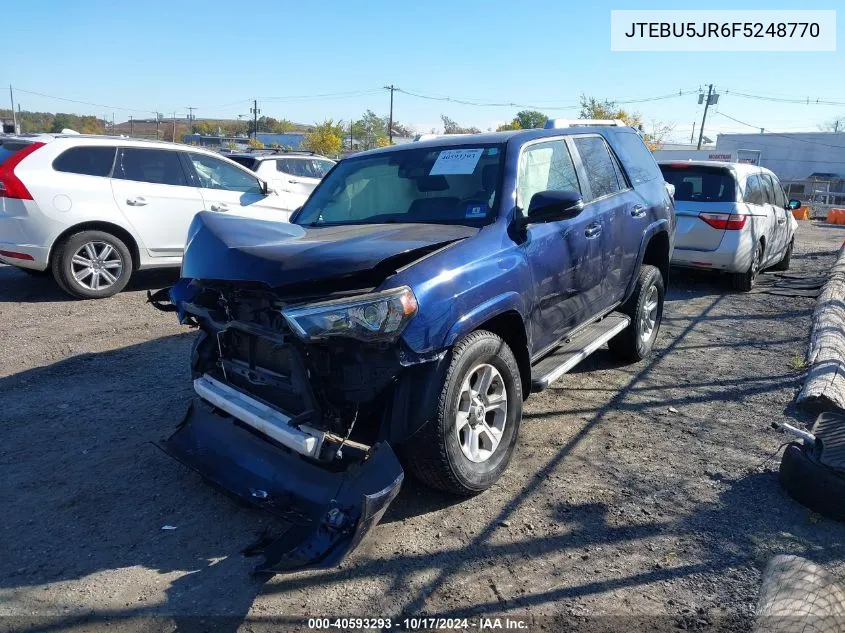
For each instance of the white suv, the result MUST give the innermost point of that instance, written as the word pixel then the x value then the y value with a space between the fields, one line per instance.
pixel 93 209
pixel 293 175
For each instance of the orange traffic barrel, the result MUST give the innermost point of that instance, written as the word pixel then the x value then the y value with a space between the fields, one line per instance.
pixel 836 216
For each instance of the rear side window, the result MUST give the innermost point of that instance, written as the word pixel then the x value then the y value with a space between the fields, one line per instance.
pixel 753 193
pixel 249 163
pixel 88 161
pixel 636 157
pixel 694 183
pixel 304 167
pixel 780 194
pixel 158 166
pixel 7 148
pixel 601 174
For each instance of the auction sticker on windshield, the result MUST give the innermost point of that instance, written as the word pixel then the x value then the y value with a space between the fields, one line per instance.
pixel 456 161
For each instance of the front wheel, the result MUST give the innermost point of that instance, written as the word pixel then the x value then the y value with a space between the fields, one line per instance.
pixel 467 446
pixel 645 307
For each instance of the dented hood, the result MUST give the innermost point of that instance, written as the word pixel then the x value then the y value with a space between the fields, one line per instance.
pixel 228 247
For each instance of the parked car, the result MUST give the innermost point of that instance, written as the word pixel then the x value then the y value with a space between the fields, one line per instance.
pixel 418 297
pixel 293 175
pixel 732 217
pixel 91 210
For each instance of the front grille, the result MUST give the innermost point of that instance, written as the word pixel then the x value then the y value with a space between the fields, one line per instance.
pixel 266 367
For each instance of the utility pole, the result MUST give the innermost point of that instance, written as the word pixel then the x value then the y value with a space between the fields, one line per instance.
pixel 131 126
pixel 254 109
pixel 704 117
pixel 158 123
pixel 692 136
pixel 191 118
pixel 173 138
pixel 112 123
pixel 392 89
pixel 14 117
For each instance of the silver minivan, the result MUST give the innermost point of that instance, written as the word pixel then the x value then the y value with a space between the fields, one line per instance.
pixel 732 217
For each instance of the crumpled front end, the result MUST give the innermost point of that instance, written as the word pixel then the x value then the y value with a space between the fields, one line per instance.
pixel 299 428
pixel 324 513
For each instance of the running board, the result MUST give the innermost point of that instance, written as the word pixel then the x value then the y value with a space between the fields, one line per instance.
pixel 576 349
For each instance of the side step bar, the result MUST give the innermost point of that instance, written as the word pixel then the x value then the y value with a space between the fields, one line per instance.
pixel 576 349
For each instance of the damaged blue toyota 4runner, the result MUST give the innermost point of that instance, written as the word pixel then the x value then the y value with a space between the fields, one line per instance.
pixel 399 321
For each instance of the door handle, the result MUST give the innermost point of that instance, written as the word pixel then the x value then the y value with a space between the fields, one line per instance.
pixel 219 207
pixel 293 182
pixel 781 220
pixel 138 201
pixel 592 230
pixel 638 211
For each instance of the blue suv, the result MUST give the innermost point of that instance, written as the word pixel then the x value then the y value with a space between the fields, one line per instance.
pixel 414 301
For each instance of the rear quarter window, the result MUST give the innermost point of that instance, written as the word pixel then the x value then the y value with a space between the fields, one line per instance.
pixel 637 159
pixel 88 161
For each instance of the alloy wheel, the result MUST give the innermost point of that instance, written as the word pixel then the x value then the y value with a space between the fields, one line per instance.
pixel 482 413
pixel 96 265
pixel 648 316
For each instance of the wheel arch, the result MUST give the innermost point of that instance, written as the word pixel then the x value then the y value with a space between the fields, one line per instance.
pixel 511 328
pixel 107 227
pixel 655 250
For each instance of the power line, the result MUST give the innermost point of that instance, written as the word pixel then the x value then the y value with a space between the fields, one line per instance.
pixel 795 100
pixel 98 105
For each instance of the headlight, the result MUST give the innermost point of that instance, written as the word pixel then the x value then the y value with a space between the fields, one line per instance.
pixel 378 316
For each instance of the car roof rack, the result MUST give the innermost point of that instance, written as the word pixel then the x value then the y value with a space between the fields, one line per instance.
pixel 279 150
pixel 556 124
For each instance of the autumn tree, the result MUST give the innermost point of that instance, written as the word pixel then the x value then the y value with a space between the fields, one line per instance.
pixel 284 126
pixel 836 124
pixel 206 128
pixel 592 108
pixel 368 129
pixel 451 127
pixel 513 125
pixel 255 143
pixel 326 138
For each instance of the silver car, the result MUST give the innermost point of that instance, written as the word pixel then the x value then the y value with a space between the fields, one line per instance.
pixel 732 217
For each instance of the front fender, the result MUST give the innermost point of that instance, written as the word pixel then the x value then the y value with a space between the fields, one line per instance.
pixel 505 302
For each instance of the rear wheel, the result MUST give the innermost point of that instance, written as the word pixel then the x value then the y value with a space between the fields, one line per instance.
pixel 745 281
pixel 783 264
pixel 92 265
pixel 645 307
pixel 468 445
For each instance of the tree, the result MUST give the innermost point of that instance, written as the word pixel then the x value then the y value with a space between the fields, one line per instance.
pixel 451 127
pixel 403 130
pixel 592 108
pixel 368 129
pixel 513 125
pixel 206 128
pixel 382 141
pixel 529 119
pixel 836 124
pixel 255 143
pixel 62 121
pixel 326 138
pixel 284 126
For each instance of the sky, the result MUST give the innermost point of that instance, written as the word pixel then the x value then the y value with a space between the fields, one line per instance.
pixel 310 61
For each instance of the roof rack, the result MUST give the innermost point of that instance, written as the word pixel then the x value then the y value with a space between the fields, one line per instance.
pixel 279 150
pixel 556 124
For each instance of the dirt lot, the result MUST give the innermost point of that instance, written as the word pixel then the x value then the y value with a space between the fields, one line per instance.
pixel 643 491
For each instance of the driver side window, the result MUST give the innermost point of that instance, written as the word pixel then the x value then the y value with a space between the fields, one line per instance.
pixel 544 167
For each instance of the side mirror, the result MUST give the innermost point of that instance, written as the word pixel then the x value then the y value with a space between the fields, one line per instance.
pixel 793 204
pixel 552 206
pixel 266 189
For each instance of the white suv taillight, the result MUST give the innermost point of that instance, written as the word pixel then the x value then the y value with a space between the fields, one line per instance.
pixel 10 185
pixel 726 221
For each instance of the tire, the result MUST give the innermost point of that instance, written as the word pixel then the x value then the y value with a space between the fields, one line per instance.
pixel 783 264
pixel 811 484
pixel 117 263
pixel 634 343
pixel 744 282
pixel 435 454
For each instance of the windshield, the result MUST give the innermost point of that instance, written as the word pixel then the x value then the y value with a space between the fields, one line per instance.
pixel 695 183
pixel 440 185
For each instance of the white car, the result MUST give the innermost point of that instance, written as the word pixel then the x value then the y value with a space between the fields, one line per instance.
pixel 732 217
pixel 293 175
pixel 93 209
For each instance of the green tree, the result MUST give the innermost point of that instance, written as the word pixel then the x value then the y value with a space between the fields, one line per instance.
pixel 368 129
pixel 451 127
pixel 62 121
pixel 529 119
pixel 206 128
pixel 326 138
pixel 283 126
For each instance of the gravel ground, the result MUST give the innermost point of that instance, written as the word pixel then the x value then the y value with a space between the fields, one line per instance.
pixel 644 493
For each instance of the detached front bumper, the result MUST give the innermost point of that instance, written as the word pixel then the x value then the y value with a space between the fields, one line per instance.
pixel 326 511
